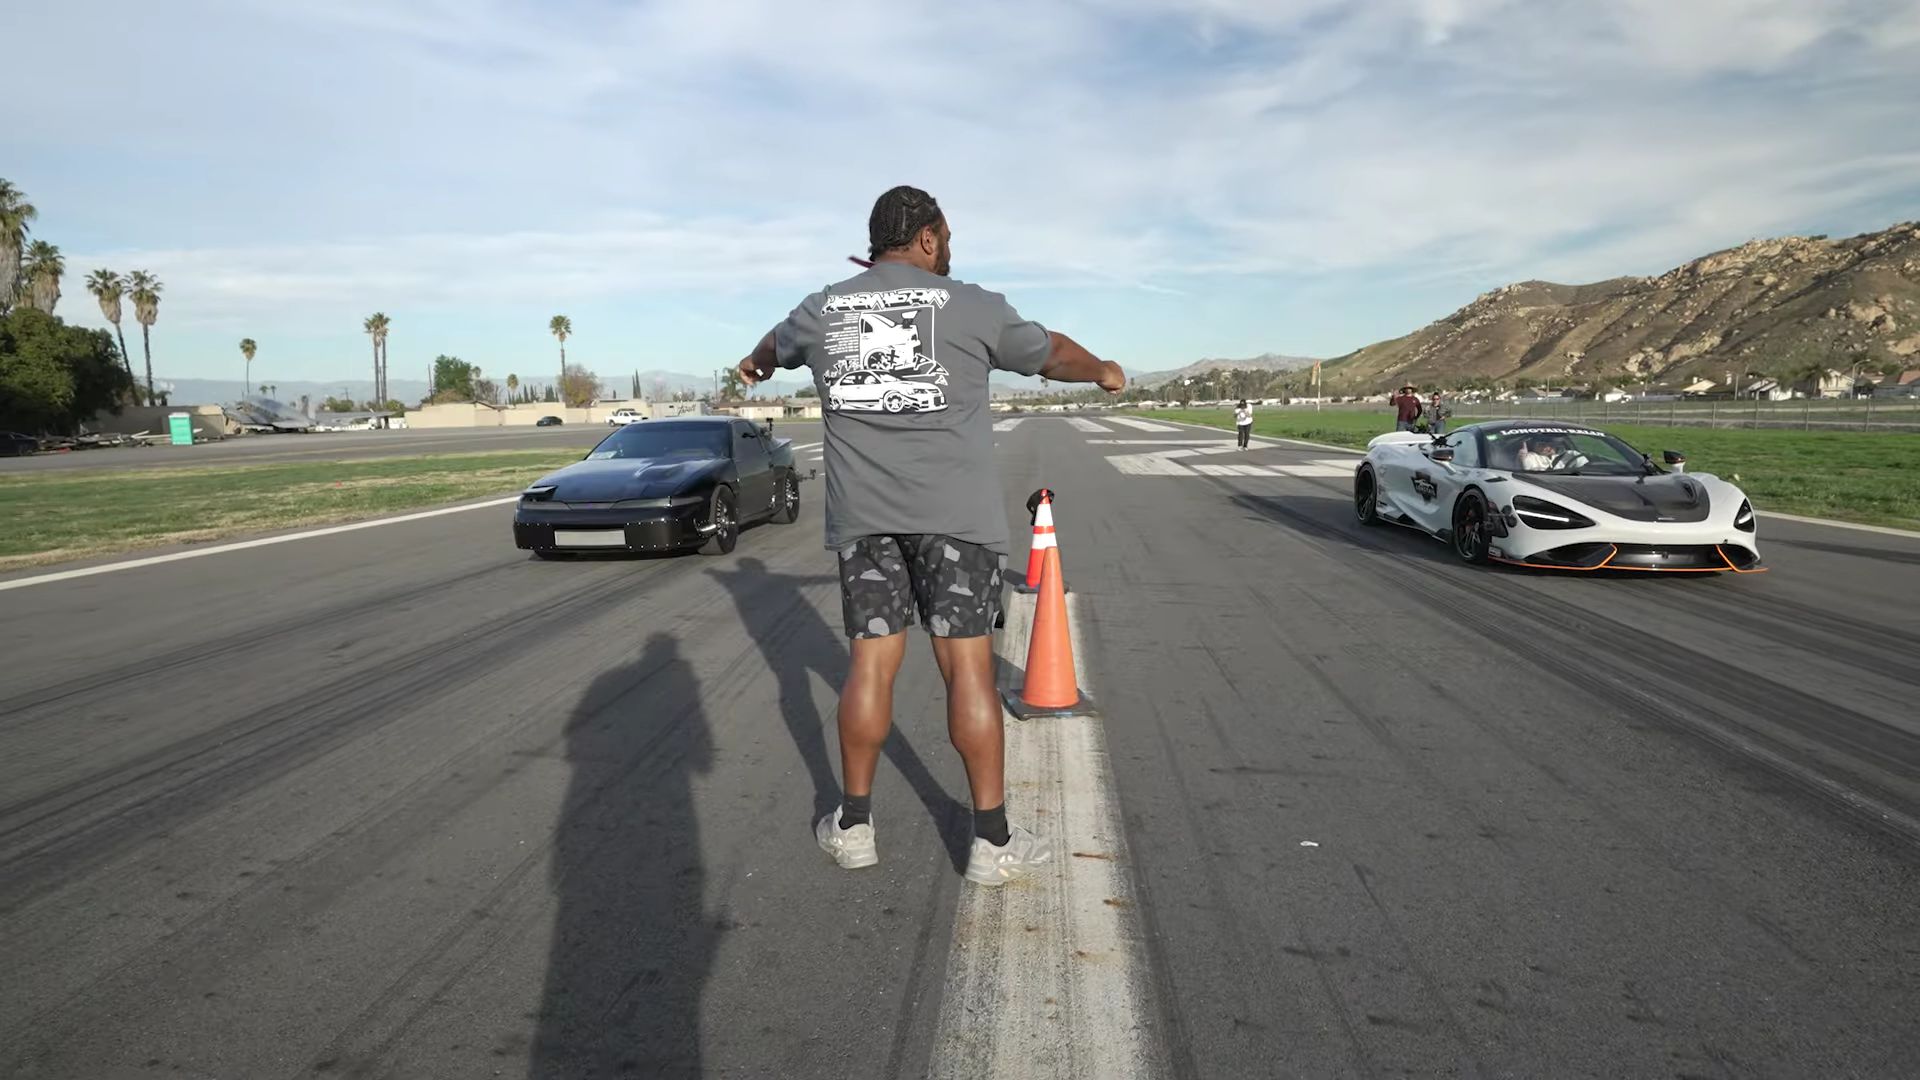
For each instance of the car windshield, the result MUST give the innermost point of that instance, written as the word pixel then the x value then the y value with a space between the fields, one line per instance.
pixel 663 441
pixel 1569 451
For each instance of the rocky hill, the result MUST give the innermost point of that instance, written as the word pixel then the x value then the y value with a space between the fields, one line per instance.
pixel 1273 362
pixel 1769 306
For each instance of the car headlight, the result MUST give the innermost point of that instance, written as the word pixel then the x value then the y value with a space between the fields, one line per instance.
pixel 538 493
pixel 1743 518
pixel 1541 514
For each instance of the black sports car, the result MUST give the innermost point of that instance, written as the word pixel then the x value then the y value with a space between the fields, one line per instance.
pixel 14 444
pixel 548 421
pixel 663 486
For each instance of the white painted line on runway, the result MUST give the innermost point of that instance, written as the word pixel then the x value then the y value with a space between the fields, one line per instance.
pixel 1217 470
pixel 1156 442
pixel 1008 425
pixel 1273 440
pixel 1147 465
pixel 221 549
pixel 1326 471
pixel 1047 976
pixel 1141 425
pixel 1081 423
pixel 805 445
pixel 1884 530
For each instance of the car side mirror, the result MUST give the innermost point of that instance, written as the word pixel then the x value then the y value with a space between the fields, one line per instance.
pixel 1674 459
pixel 1442 454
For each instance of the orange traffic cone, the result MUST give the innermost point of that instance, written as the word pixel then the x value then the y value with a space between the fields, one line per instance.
pixel 1044 541
pixel 1051 688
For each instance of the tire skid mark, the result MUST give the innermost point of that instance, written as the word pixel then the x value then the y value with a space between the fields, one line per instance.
pixel 1455 1028
pixel 398 810
pixel 245 753
pixel 1224 912
pixel 1727 896
pixel 1691 707
pixel 377 1013
pixel 224 649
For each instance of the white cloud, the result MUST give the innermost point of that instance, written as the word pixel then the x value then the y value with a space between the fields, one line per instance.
pixel 352 153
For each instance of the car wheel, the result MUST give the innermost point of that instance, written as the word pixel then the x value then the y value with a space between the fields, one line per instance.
pixel 1366 497
pixel 720 513
pixel 1470 528
pixel 895 402
pixel 787 510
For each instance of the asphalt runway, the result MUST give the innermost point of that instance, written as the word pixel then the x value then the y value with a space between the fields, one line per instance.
pixel 317 446
pixel 404 802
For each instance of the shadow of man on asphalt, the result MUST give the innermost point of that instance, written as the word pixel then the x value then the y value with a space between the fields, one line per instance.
pixel 797 644
pixel 632 942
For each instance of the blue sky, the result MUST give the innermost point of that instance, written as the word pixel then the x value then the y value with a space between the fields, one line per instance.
pixel 1164 180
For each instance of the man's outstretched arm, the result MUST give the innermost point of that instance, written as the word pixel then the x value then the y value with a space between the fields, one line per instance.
pixel 1068 361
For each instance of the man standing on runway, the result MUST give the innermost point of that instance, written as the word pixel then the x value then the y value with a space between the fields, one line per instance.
pixel 1243 423
pixel 900 355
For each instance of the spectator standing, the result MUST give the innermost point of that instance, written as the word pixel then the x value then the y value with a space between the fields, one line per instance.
pixel 1437 413
pixel 1243 422
pixel 1406 408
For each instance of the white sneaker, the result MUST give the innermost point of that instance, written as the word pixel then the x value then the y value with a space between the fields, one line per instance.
pixel 995 866
pixel 851 848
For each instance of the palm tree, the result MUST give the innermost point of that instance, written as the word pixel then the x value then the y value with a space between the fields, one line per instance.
pixel 106 287
pixel 562 328
pixel 513 388
pixel 247 349
pixel 43 269
pixel 1813 374
pixel 376 328
pixel 15 214
pixel 145 290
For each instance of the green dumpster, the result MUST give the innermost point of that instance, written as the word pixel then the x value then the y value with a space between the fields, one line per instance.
pixel 180 426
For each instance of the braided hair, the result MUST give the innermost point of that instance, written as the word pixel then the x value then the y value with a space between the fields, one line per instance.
pixel 898 216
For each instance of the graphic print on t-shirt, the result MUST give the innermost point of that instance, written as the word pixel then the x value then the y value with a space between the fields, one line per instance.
pixel 881 348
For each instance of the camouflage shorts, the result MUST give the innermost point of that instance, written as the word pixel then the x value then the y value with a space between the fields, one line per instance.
pixel 953 585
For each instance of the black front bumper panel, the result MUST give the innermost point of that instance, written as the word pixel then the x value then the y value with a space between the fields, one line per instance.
pixel 648 529
pixel 1696 558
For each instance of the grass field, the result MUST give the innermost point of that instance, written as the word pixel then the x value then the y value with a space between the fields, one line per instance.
pixel 52 516
pixel 1849 476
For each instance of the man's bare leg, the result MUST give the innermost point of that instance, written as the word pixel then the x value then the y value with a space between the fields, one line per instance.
pixel 974 720
pixel 866 708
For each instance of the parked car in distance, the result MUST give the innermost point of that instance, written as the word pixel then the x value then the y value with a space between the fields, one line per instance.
pixel 14 444
pixel 624 416
pixel 548 421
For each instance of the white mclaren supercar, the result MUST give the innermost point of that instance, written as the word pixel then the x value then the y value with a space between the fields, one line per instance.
pixel 1556 495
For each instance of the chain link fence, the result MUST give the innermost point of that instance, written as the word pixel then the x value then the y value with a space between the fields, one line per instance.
pixel 1900 414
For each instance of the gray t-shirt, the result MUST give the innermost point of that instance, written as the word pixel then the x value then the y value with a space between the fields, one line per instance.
pixel 900 358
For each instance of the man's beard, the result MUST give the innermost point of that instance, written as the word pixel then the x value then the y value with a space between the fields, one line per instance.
pixel 943 262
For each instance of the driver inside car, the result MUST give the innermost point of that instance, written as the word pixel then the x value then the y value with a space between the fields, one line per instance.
pixel 1537 454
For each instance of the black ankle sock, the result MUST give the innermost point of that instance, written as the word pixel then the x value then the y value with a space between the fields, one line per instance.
pixel 991 825
pixel 856 810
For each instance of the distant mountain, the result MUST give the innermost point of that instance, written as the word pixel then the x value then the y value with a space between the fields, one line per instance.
pixel 1768 306
pixel 1263 362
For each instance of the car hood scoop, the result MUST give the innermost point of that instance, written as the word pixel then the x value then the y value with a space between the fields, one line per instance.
pixel 1653 498
pixel 613 479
